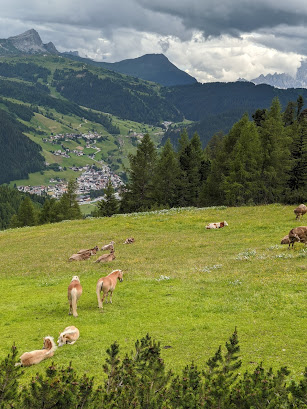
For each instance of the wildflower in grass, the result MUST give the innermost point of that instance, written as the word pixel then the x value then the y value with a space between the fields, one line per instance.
pixel 246 255
pixel 162 277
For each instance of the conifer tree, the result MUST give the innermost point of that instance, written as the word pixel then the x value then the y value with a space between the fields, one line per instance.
pixel 109 204
pixel 298 173
pixel 275 142
pixel 191 162
pixel 26 215
pixel 140 189
pixel 68 205
pixel 166 177
pixel 242 184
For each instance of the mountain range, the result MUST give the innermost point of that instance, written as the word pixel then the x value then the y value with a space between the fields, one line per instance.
pixel 284 81
pixel 43 92
pixel 150 67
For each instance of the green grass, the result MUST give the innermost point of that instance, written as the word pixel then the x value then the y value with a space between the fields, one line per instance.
pixel 186 286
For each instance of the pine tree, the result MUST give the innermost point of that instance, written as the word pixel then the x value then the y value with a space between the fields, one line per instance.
pixel 68 207
pixel 242 185
pixel 166 177
pixel 26 215
pixel 298 173
pixel 109 204
pixel 139 189
pixel 191 161
pixel 275 142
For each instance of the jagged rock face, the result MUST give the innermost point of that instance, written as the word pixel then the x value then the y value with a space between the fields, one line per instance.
pixel 301 74
pixel 283 81
pixel 30 42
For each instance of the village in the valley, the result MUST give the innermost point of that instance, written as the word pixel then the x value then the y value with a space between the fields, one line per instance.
pixel 92 177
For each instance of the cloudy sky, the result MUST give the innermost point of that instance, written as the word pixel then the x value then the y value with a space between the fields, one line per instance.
pixel 211 40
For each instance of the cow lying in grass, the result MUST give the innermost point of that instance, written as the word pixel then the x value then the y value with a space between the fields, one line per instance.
pixel 216 225
pixel 35 357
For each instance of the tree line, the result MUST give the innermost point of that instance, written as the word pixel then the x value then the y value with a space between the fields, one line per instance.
pixel 141 380
pixel 260 161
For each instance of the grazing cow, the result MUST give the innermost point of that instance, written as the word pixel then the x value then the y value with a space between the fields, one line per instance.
pixel 285 240
pixel 35 357
pixel 107 286
pixel 216 225
pixel 106 257
pixel 80 256
pixel 298 234
pixel 74 293
pixel 68 336
pixel 300 211
pixel 109 246
pixel 92 251
pixel 129 240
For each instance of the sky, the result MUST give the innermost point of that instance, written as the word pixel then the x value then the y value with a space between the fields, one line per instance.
pixel 219 40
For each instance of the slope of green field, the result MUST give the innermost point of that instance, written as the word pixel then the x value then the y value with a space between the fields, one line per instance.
pixel 186 286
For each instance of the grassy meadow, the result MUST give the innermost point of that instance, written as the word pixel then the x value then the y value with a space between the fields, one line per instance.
pixel 186 286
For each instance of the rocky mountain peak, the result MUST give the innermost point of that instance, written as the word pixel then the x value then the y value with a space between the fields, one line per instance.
pixel 30 42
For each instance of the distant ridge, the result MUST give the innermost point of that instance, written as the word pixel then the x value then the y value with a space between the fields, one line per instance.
pixel 152 67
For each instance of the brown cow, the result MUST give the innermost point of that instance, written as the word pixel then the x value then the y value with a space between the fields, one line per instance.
pixel 298 234
pixel 300 211
pixel 285 240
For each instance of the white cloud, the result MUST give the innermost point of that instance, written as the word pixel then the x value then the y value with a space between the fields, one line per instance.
pixel 218 41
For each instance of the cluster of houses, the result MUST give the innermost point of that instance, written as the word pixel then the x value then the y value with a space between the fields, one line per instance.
pixel 72 136
pixel 91 178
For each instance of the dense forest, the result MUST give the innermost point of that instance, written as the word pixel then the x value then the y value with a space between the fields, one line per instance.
pixel 22 209
pixel 134 102
pixel 18 154
pixel 259 161
pixel 10 202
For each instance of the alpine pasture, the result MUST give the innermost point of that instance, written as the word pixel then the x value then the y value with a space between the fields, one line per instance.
pixel 188 287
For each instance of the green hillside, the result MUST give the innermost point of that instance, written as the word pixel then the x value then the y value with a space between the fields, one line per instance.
pixel 186 286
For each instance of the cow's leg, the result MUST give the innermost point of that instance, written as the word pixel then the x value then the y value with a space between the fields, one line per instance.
pixel 111 295
pixel 70 307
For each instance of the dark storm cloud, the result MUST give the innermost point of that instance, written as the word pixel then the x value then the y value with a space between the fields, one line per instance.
pixel 231 16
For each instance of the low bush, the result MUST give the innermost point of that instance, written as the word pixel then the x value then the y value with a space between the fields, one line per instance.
pixel 141 380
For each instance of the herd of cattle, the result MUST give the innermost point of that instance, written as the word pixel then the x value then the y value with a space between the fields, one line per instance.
pixel 106 286
pixel 298 234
